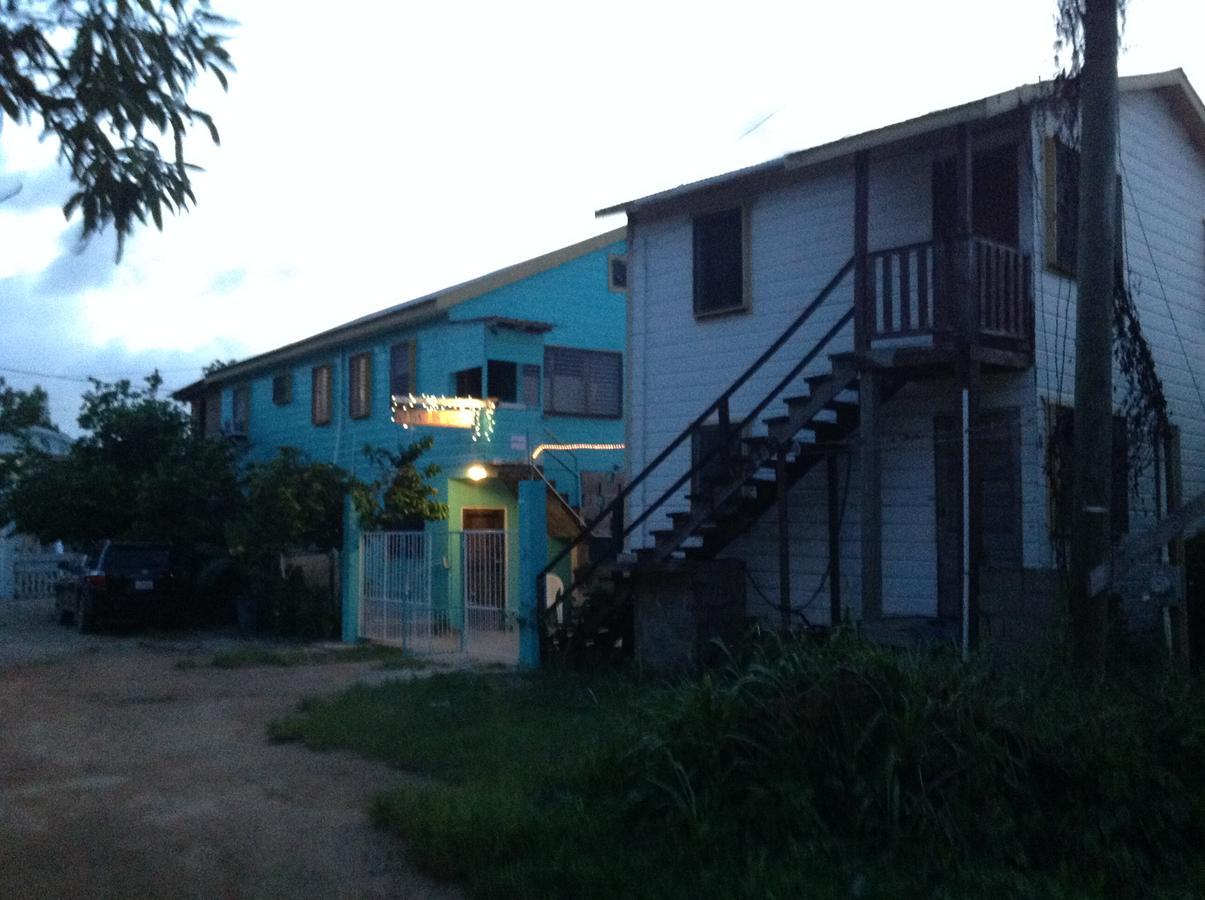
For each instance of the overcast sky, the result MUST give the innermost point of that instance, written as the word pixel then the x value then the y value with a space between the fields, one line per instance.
pixel 398 148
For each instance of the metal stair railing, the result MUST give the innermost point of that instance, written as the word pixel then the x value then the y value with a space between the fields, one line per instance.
pixel 719 407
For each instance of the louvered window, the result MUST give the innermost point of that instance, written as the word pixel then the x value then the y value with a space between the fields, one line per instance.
pixel 320 405
pixel 359 385
pixel 583 382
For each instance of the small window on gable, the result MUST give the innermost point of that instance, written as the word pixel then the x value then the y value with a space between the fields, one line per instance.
pixel 502 380
pixel 240 409
pixel 617 273
pixel 467 383
pixel 320 400
pixel 402 370
pixel 1062 205
pixel 719 262
pixel 282 389
pixel 359 385
pixel 530 387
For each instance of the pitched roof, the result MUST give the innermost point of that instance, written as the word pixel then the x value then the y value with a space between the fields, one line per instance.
pixel 1173 84
pixel 411 312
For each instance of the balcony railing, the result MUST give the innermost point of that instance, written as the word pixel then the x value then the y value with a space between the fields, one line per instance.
pixel 911 292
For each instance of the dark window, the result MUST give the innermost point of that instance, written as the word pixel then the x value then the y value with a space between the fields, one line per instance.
pixel 503 378
pixel 719 266
pixel 483 519
pixel 1062 198
pixel 359 385
pixel 617 273
pixel 402 369
pixel 282 389
pixel 320 400
pixel 241 409
pixel 1060 461
pixel 530 395
pixel 583 382
pixel 468 382
pixel 213 414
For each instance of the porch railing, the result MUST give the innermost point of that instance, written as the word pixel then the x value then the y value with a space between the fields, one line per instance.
pixel 911 291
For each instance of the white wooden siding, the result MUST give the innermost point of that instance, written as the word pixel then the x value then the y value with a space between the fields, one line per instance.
pixel 800 236
pixel 1163 186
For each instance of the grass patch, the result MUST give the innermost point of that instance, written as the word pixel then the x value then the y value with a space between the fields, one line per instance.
pixel 822 771
pixel 258 655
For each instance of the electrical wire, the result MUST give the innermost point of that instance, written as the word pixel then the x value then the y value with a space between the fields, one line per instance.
pixel 1159 280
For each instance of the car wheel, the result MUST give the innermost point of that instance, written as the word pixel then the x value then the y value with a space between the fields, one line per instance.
pixel 83 615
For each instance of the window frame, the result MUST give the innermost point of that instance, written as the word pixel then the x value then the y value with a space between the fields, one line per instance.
pixel 321 401
pixel 480 370
pixel 410 347
pixel 697 253
pixel 613 284
pixel 488 387
pixel 282 397
pixel 240 396
pixel 359 385
pixel 550 374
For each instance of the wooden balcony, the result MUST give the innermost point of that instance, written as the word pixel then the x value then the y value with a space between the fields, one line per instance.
pixel 946 295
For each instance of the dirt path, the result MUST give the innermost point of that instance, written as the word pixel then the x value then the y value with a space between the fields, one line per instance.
pixel 124 776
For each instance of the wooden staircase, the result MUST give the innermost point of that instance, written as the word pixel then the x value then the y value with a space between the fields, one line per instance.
pixel 730 485
pixel 724 507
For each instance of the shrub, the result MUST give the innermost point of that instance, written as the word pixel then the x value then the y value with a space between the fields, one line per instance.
pixel 1053 780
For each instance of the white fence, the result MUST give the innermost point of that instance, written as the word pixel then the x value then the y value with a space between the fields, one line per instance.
pixel 35 575
pixel 433 592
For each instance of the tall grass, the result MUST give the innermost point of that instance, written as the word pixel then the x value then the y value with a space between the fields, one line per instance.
pixel 1047 782
pixel 831 770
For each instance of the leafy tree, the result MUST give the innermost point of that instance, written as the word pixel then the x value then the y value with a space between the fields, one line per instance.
pixel 292 504
pixel 110 79
pixel 401 495
pixel 217 365
pixel 137 472
pixel 22 409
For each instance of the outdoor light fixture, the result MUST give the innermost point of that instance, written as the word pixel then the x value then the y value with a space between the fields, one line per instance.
pixel 477 472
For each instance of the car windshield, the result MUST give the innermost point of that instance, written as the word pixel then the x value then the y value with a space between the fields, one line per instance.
pixel 137 559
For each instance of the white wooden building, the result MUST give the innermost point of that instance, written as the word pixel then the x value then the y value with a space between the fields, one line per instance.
pixel 949 259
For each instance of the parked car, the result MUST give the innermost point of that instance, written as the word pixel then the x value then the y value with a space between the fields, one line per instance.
pixel 124 581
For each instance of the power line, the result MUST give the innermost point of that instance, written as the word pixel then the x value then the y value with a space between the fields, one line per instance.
pixel 1159 279
pixel 83 379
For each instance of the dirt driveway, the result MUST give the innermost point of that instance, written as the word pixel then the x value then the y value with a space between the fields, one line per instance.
pixel 122 775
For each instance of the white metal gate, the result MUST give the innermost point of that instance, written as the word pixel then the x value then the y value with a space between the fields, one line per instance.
pixel 490 630
pixel 397 604
pixel 439 592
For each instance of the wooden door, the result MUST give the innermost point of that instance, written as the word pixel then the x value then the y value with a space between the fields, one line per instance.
pixel 996 445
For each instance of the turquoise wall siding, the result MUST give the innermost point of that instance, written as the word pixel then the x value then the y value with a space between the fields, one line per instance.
pixel 573 298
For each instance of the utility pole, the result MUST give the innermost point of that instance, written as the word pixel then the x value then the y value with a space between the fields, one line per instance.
pixel 1093 435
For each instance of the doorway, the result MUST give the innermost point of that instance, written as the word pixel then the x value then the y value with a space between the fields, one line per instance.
pixel 996 446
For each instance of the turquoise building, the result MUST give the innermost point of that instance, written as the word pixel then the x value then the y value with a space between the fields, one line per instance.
pixel 516 375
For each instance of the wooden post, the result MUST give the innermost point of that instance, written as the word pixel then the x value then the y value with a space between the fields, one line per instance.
pixel 1092 460
pixel 1175 550
pixel 968 380
pixel 966 298
pixel 872 498
pixel 863 315
pixel 834 542
pixel 784 539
